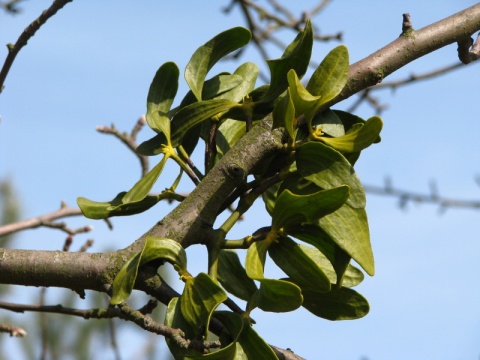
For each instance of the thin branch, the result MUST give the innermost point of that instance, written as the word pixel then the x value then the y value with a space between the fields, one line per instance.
pixel 405 197
pixel 129 140
pixel 12 330
pixel 46 220
pixel 13 50
pixel 375 67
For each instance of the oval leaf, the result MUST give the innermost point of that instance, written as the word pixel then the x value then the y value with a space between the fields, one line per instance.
pixel 327 168
pixel 287 254
pixel 338 304
pixel 160 97
pixel 358 138
pixel 233 277
pixel 292 209
pixel 208 54
pixel 166 249
pixel 276 296
pixel 102 210
pixel 122 285
pixel 194 114
pixel 331 75
pixel 143 186
pixel 296 57
pixel 200 297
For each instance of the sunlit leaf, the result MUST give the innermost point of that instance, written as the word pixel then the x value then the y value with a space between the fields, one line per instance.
pixel 233 277
pixel 296 57
pixel 153 146
pixel 303 101
pixel 253 346
pixel 102 210
pixel 352 275
pixel 284 115
pixel 288 255
pixel 174 319
pixel 329 123
pixel 166 249
pixel 255 259
pixel 143 186
pixel 291 209
pixel 200 297
pixel 348 228
pixel 358 138
pixel 208 54
pixel 194 114
pixel 123 283
pixel 331 76
pixel 276 296
pixel 327 168
pixel 160 98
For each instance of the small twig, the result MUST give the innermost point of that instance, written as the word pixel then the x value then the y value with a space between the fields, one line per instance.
pixel 12 330
pixel 44 220
pixel 88 244
pixel 129 141
pixel 432 198
pixel 13 50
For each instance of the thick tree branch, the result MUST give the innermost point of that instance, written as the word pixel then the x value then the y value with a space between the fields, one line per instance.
pixel 374 68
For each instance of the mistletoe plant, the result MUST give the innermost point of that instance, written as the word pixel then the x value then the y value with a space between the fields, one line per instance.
pixel 310 189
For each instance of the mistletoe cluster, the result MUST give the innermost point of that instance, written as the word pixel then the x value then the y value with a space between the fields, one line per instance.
pixel 310 189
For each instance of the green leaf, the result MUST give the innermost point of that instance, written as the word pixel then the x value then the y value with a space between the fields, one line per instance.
pixel 123 283
pixel 303 101
pixel 208 54
pixel 331 76
pixel 348 228
pixel 249 74
pixel 338 304
pixel 200 297
pixel 194 114
pixel 160 98
pixel 253 346
pixel 214 87
pixel 284 115
pixel 174 319
pixel 329 123
pixel 255 259
pixel 327 168
pixel 102 210
pixel 352 275
pixel 276 296
pixel 166 249
pixel 291 209
pixel 287 254
pixel 358 138
pixel 229 132
pixel 153 146
pixel 296 57
pixel 143 186
pixel 233 277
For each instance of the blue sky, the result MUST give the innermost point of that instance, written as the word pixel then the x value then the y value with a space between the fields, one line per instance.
pixel 92 65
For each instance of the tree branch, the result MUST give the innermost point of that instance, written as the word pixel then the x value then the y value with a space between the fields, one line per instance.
pixel 374 68
pixel 13 50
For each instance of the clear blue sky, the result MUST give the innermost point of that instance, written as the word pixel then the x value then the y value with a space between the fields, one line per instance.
pixel 92 65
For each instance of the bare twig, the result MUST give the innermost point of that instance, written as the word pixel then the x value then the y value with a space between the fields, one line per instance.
pixel 129 140
pixel 433 198
pixel 13 50
pixel 46 220
pixel 12 330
